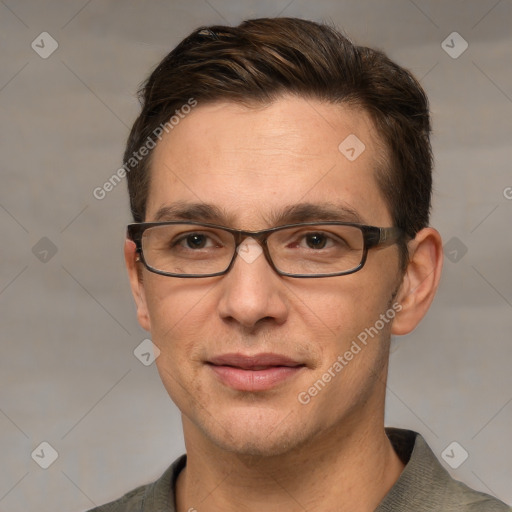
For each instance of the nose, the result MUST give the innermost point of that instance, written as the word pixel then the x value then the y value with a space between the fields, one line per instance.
pixel 253 293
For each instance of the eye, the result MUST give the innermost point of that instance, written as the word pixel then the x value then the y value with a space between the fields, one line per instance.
pixel 320 240
pixel 194 241
pixel 316 240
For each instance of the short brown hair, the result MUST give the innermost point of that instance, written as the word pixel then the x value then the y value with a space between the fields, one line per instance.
pixel 262 59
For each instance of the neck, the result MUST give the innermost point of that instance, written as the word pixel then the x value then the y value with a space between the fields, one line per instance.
pixel 349 469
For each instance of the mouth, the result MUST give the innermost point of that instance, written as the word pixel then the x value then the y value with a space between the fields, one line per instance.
pixel 259 372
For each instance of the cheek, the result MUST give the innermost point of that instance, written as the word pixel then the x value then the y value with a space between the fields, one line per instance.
pixel 180 311
pixel 341 307
pixel 173 301
pixel 340 319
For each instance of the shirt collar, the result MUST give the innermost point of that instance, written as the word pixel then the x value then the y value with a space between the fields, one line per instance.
pixel 422 482
pixel 413 489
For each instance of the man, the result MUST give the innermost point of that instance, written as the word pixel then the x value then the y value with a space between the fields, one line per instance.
pixel 280 183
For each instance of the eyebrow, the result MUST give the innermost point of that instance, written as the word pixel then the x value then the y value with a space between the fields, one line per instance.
pixel 312 212
pixel 198 212
pixel 296 213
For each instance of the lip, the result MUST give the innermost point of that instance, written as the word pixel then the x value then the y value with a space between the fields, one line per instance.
pixel 258 372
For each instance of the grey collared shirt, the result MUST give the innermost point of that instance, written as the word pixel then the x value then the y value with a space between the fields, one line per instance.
pixel 423 486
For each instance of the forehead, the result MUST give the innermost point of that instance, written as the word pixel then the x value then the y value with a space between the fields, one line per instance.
pixel 251 162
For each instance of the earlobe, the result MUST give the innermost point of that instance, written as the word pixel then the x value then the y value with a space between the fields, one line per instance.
pixel 136 283
pixel 420 281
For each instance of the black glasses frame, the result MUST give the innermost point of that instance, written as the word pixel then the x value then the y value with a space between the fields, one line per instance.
pixel 373 237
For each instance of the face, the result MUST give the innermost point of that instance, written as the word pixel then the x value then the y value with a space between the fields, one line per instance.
pixel 241 353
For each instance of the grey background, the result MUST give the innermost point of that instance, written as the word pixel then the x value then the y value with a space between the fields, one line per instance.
pixel 68 328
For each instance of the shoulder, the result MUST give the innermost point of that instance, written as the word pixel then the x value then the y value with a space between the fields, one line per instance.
pixel 132 501
pixel 461 498
pixel 426 486
pixel 157 496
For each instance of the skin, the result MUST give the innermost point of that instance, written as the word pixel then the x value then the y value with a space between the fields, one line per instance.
pixel 248 450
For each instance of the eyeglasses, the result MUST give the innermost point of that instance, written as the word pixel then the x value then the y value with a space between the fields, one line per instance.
pixel 311 249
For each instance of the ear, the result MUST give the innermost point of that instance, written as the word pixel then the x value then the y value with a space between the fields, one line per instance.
pixel 420 281
pixel 135 274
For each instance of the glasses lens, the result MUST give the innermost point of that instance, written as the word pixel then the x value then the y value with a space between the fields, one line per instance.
pixel 187 249
pixel 318 249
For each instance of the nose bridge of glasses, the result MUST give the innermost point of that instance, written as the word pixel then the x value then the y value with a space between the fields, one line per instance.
pixel 249 245
pixel 259 236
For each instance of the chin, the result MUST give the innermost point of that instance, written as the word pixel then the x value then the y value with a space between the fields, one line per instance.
pixel 247 445
pixel 259 435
